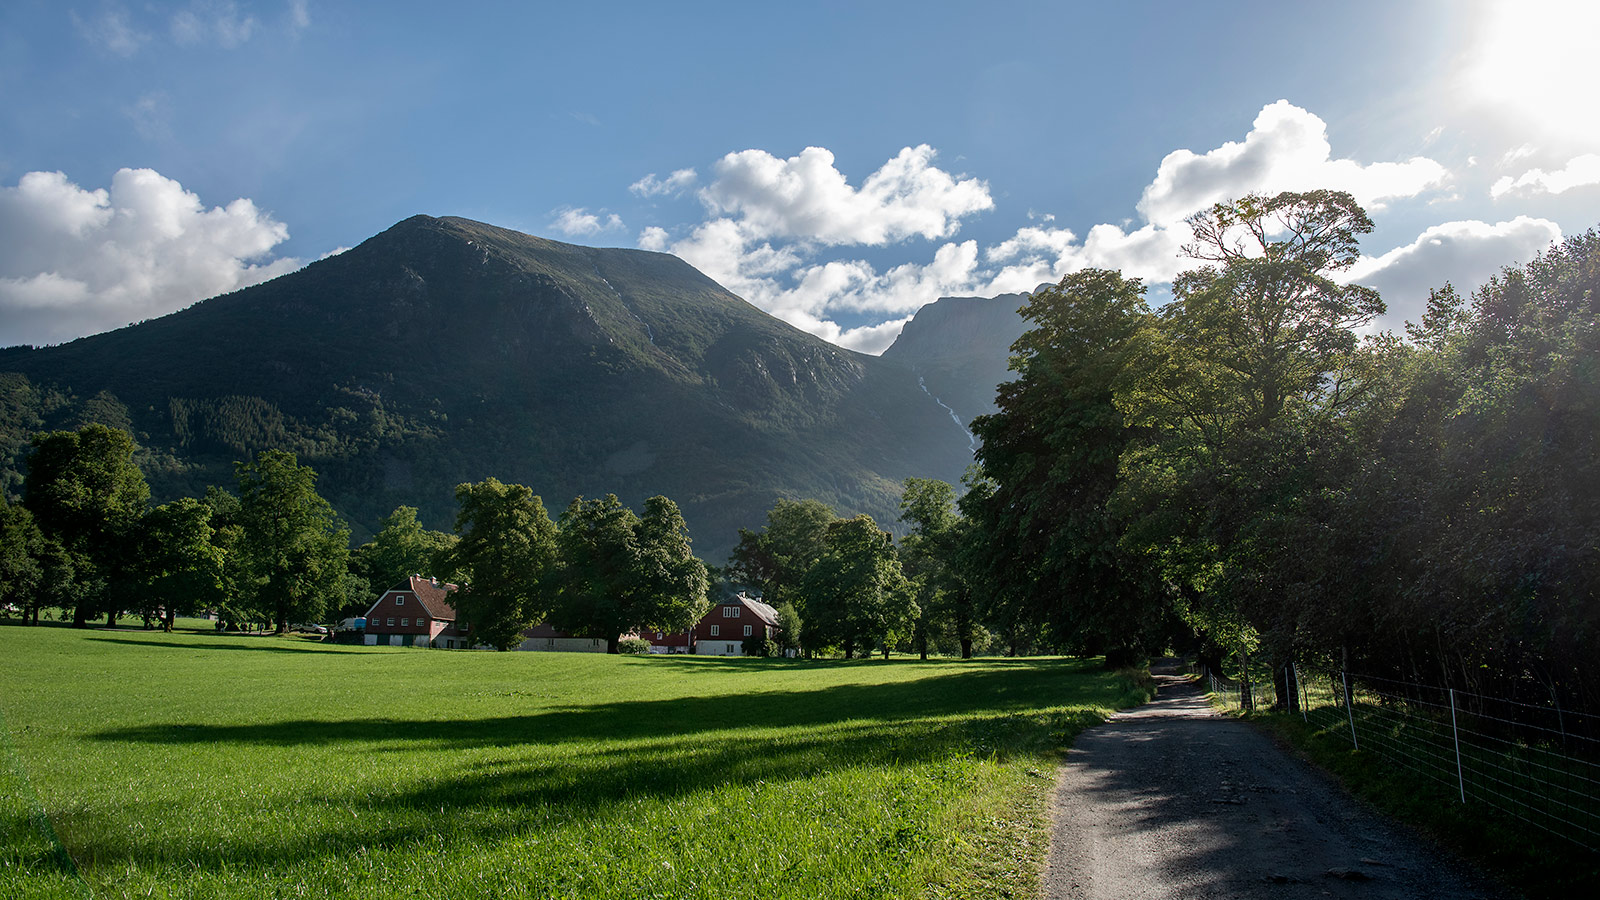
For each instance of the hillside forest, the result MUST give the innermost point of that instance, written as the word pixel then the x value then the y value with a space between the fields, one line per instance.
pixel 1250 471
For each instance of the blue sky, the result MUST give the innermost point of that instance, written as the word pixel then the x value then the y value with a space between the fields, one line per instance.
pixel 836 164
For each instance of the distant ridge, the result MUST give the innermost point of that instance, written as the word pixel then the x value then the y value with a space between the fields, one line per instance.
pixel 960 347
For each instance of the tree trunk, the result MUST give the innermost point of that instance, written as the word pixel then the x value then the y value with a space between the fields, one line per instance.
pixel 966 648
pixel 171 620
pixel 80 616
pixel 849 647
pixel 111 618
pixel 611 644
pixel 886 651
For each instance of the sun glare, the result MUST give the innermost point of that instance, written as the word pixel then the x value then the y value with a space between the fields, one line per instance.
pixel 1534 60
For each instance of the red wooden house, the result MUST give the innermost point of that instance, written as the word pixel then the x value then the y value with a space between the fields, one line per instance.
pixel 417 613
pixel 722 631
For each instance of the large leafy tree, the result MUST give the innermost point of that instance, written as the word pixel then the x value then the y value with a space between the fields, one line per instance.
pixel 504 558
pixel 86 493
pixel 401 547
pixel 621 571
pixel 1242 396
pixel 179 565
pixel 21 571
pixel 857 594
pixel 929 557
pixel 293 550
pixel 1043 542
pixel 776 559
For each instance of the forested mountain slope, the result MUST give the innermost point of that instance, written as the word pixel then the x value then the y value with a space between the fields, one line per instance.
pixel 445 350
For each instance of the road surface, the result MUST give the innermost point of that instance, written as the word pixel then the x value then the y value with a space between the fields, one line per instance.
pixel 1172 800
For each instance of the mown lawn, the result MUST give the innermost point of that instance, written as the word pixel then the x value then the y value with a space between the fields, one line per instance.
pixel 198 765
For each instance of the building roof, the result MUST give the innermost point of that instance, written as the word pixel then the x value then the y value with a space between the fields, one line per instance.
pixel 433 594
pixel 766 613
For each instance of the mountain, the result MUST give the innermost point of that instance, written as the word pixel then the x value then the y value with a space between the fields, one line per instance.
pixel 958 348
pixel 445 350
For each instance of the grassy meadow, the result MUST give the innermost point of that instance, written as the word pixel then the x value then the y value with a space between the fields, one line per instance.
pixel 141 764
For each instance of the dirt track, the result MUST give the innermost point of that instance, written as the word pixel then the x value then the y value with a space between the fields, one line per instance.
pixel 1171 800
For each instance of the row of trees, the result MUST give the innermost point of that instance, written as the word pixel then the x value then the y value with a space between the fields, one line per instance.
pixel 1246 460
pixel 86 541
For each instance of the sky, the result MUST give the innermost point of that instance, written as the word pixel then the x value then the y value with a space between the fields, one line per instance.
pixel 836 164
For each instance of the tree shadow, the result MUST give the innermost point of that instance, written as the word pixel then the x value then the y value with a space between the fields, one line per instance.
pixel 190 645
pixel 583 762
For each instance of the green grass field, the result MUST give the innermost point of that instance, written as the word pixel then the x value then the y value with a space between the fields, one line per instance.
pixel 197 765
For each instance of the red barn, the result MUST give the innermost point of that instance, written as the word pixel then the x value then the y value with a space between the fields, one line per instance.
pixel 724 628
pixel 417 613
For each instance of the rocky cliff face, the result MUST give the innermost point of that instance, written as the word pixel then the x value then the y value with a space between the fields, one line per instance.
pixel 959 347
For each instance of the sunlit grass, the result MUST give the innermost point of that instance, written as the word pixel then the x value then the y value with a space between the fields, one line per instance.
pixel 194 765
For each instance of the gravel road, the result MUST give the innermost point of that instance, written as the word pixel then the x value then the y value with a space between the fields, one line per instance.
pixel 1171 800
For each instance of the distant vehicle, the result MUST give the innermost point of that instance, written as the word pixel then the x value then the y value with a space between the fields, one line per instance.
pixel 310 629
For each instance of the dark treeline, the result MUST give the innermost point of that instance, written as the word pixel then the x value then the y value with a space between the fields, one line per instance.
pixel 1244 461
pixel 84 541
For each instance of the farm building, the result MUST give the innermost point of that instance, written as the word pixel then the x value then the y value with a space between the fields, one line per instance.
pixel 416 613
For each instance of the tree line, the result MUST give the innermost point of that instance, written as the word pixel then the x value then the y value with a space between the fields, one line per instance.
pixel 1252 464
pixel 86 541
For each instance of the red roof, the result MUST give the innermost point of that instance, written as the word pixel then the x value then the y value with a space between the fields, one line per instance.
pixel 433 594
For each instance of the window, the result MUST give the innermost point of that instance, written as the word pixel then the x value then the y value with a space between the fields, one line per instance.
pixel 749 630
pixel 391 621
pixel 658 635
pixel 716 630
pixel 730 612
pixel 462 627
pixel 399 599
pixel 405 623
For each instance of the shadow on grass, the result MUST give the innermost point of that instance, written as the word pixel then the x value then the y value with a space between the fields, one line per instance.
pixel 581 763
pixel 257 648
pixel 986 690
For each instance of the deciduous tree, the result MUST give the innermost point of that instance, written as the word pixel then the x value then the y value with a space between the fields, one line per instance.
pixel 293 549
pixel 505 560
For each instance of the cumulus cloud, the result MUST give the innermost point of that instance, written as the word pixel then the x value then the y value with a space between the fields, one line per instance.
pixel 113 29
pixel 579 222
pixel 806 198
pixel 77 261
pixel 673 185
pixel 217 22
pixel 1287 149
pixel 774 223
pixel 1580 171
pixel 1463 253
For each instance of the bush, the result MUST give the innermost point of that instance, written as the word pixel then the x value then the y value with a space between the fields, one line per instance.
pixel 756 645
pixel 633 645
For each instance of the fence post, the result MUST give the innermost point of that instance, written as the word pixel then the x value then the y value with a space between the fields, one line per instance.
pixel 1350 709
pixel 1300 689
pixel 1461 780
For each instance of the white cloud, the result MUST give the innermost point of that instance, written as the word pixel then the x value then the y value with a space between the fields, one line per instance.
pixel 151 115
pixel 299 14
pixel 216 22
pixel 1580 171
pixel 806 198
pixel 111 29
pixel 775 225
pixel 1287 149
pixel 79 261
pixel 579 222
pixel 1464 253
pixel 654 237
pixel 674 184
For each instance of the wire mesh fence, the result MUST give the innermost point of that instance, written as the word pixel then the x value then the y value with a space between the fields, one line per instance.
pixel 1540 765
